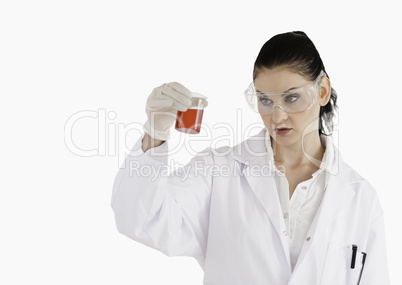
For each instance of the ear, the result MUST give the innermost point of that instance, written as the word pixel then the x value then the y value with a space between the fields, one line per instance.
pixel 325 91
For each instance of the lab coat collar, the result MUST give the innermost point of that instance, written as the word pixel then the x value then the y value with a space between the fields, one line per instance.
pixel 252 152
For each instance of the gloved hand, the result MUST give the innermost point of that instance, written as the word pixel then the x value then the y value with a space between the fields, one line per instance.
pixel 162 106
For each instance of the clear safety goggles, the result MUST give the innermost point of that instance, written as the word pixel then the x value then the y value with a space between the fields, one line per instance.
pixel 294 100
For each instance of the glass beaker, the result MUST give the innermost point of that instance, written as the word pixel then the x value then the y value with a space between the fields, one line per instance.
pixel 190 121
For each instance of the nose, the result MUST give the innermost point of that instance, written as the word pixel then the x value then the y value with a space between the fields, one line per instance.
pixel 279 114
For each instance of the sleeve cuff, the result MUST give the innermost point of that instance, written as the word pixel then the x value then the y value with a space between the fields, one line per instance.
pixel 159 153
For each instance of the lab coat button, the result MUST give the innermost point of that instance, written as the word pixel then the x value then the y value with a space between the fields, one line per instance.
pixel 307 239
pixel 285 215
pixel 285 233
pixel 304 188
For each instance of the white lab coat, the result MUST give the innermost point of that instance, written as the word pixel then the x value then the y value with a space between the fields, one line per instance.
pixel 226 213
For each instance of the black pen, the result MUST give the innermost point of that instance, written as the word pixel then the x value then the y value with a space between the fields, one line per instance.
pixel 354 248
pixel 361 271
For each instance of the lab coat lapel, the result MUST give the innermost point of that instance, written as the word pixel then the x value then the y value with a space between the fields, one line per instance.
pixel 339 191
pixel 253 156
pixel 264 188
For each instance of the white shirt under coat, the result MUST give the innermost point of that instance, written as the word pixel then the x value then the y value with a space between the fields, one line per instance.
pixel 299 211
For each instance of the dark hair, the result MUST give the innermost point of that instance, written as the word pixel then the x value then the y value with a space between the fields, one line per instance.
pixel 294 50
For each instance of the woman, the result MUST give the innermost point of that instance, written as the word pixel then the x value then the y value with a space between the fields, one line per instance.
pixel 310 219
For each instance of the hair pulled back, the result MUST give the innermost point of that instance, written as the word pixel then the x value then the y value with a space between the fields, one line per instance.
pixel 295 51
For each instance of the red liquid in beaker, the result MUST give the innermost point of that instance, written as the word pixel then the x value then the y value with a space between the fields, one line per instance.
pixel 189 121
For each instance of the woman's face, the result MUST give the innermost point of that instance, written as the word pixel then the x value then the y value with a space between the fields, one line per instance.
pixel 281 79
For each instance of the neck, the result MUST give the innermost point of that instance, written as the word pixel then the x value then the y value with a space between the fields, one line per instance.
pixel 300 153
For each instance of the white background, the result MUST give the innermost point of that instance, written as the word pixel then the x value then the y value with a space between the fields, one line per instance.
pixel 60 58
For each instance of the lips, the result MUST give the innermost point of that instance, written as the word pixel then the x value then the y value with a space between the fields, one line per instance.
pixel 282 131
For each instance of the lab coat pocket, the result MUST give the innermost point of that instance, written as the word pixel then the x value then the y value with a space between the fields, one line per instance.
pixel 338 265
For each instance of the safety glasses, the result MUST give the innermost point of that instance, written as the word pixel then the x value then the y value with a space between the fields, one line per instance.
pixel 294 100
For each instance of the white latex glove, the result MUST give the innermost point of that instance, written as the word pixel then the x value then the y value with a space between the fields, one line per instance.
pixel 162 106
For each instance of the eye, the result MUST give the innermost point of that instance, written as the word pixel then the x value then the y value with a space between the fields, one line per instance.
pixel 291 98
pixel 265 100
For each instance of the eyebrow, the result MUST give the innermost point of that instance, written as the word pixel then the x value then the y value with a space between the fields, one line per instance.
pixel 284 92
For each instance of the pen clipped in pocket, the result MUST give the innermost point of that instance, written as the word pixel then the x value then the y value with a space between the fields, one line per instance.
pixel 357 261
pixel 356 254
pixel 338 264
